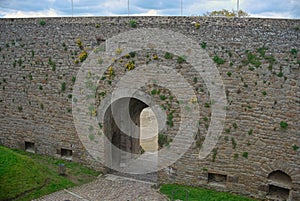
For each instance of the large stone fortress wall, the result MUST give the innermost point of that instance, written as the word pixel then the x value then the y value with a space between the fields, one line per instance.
pixel 256 155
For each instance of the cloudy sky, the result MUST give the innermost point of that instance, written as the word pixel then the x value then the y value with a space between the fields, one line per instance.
pixel 57 8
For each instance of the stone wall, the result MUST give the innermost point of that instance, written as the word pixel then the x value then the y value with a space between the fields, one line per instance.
pixel 258 60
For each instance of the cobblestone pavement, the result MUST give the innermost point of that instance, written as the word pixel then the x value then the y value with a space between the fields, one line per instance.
pixel 108 188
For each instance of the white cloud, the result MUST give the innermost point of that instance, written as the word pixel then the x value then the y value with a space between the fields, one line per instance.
pixel 53 8
pixel 26 14
pixel 200 8
pixel 271 15
pixel 148 13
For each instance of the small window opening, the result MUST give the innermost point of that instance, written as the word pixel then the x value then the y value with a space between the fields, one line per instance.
pixel 278 193
pixel 29 147
pixel 66 153
pixel 217 178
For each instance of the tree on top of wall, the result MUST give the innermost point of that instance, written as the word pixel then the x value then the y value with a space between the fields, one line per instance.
pixel 226 13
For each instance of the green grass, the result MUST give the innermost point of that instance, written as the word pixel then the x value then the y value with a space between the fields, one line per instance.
pixel 27 176
pixel 199 194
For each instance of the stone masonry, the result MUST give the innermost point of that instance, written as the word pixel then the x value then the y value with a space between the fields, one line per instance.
pixel 257 153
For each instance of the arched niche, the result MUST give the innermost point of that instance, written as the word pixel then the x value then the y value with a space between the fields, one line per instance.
pixel 279 184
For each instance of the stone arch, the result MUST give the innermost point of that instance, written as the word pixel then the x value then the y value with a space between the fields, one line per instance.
pixel 123 146
pixel 280 177
pixel 280 165
pixel 266 170
pixel 279 185
pixel 87 116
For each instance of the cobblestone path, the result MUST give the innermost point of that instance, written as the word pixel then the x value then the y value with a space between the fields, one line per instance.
pixel 108 188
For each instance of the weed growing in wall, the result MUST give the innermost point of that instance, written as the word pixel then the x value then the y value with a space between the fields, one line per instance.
pixel 203 45
pixel 253 59
pixel 295 147
pixel 294 51
pixel 52 64
pixel 181 59
pixel 111 72
pixel 280 74
pixel 233 142
pixel 132 23
pixel 118 51
pixel 283 124
pixel 130 65
pixel 82 56
pixel 234 125
pixel 215 152
pixel 163 140
pixel 155 57
pixel 42 22
pixel 63 86
pixel 218 60
pixel 73 79
pixel 245 154
pixel 170 119
pixel 168 55
pixel 132 54
pixel 79 44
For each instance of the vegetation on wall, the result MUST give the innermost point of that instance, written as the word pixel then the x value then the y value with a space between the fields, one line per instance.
pixel 163 140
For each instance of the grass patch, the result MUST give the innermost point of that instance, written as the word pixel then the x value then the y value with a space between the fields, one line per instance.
pixel 27 176
pixel 199 194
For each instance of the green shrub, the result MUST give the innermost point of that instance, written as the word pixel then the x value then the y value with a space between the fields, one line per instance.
pixel 181 59
pixel 233 142
pixel 163 140
pixel 283 124
pixel 234 125
pixel 197 25
pixel 154 91
pixel 245 154
pixel 215 152
pixel 294 51
pixel 73 79
pixel 132 23
pixel 132 54
pixel 280 74
pixel 42 22
pixel 63 86
pixel 82 56
pixel 218 60
pixel 295 147
pixel 168 55
pixel 163 97
pixel 20 108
